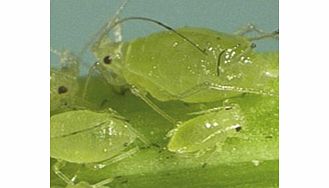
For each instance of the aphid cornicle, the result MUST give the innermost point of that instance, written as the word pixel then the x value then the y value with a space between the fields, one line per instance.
pixel 189 64
pixel 94 138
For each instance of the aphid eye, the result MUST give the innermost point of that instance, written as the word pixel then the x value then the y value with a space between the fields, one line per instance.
pixel 62 89
pixel 253 45
pixel 107 60
pixel 227 107
pixel 238 129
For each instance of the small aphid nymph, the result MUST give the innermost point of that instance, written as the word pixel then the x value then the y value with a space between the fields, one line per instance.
pixel 207 131
pixel 97 139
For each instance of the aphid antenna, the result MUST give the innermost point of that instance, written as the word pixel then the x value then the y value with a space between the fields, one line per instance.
pixel 274 35
pixel 203 51
pixel 218 61
pixel 261 34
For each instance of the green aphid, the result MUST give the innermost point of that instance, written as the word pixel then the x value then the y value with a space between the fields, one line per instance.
pixel 96 139
pixel 189 64
pixel 207 131
pixel 64 82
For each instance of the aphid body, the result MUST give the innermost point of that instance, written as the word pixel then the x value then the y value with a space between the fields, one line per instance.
pixel 84 136
pixel 168 67
pixel 95 139
pixel 207 131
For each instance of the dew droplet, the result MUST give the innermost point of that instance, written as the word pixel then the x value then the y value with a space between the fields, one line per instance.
pixel 255 162
pixel 99 166
pixel 271 74
pixel 207 125
pixel 230 77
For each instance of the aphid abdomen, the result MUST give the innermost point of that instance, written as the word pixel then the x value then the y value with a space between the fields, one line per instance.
pixel 169 64
pixel 206 131
pixel 87 137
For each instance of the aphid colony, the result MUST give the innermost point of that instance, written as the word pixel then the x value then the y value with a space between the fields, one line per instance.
pixel 191 65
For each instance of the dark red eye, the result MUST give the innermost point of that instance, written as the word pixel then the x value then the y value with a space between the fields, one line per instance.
pixel 238 129
pixel 62 89
pixel 107 60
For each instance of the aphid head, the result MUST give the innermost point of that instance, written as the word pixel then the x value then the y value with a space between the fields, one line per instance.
pixel 63 88
pixel 109 60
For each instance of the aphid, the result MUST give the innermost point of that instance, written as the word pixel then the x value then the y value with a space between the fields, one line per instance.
pixel 92 138
pixel 189 64
pixel 206 131
pixel 63 82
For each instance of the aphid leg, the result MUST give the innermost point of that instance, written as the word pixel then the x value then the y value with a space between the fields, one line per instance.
pixel 102 183
pixel 116 158
pixel 91 70
pixel 240 90
pixel 261 34
pixel 116 115
pixel 140 136
pixel 57 170
pixel 139 93
pixel 212 86
pixel 225 106
pixel 215 109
